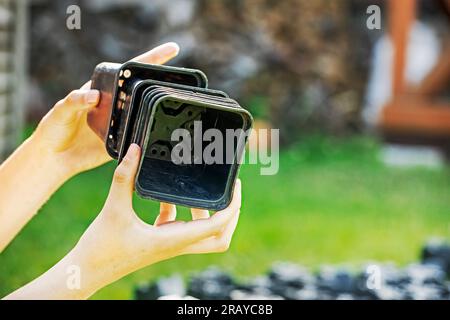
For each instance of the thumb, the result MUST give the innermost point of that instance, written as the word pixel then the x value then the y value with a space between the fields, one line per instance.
pixel 123 182
pixel 66 110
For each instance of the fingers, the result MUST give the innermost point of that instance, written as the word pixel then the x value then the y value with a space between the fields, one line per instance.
pixel 123 182
pixel 67 109
pixel 167 213
pixel 185 233
pixel 199 214
pixel 236 200
pixel 159 55
pixel 194 231
pixel 86 86
pixel 221 242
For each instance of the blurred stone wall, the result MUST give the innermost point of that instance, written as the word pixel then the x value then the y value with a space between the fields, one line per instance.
pixel 300 64
pixel 12 73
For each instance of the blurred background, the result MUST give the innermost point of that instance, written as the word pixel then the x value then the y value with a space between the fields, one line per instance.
pixel 363 113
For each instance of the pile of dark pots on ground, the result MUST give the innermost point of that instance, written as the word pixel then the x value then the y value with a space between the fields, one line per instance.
pixel 427 280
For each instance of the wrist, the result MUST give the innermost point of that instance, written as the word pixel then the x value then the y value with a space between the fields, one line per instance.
pixel 80 280
pixel 49 159
pixel 64 281
pixel 95 271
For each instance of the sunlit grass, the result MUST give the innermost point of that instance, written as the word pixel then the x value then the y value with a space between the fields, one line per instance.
pixel 331 202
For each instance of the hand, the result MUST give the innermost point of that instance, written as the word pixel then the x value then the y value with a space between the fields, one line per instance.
pixel 118 242
pixel 62 146
pixel 64 133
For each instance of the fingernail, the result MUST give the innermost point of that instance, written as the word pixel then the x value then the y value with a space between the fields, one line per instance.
pixel 133 151
pixel 92 96
pixel 173 47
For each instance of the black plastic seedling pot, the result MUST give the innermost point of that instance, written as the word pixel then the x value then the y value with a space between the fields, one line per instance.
pixel 150 105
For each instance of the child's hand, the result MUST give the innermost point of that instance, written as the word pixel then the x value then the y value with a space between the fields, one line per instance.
pixel 118 242
pixel 64 133
pixel 62 146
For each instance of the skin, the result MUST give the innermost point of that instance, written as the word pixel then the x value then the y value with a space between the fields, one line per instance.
pixel 62 146
pixel 117 242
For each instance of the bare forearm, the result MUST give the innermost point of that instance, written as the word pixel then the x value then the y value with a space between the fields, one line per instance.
pixel 75 277
pixel 118 243
pixel 67 280
pixel 27 180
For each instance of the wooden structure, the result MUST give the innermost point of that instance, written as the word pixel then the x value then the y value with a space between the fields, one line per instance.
pixel 414 114
pixel 12 73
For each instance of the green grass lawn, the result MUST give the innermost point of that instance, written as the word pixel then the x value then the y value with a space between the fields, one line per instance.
pixel 331 202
